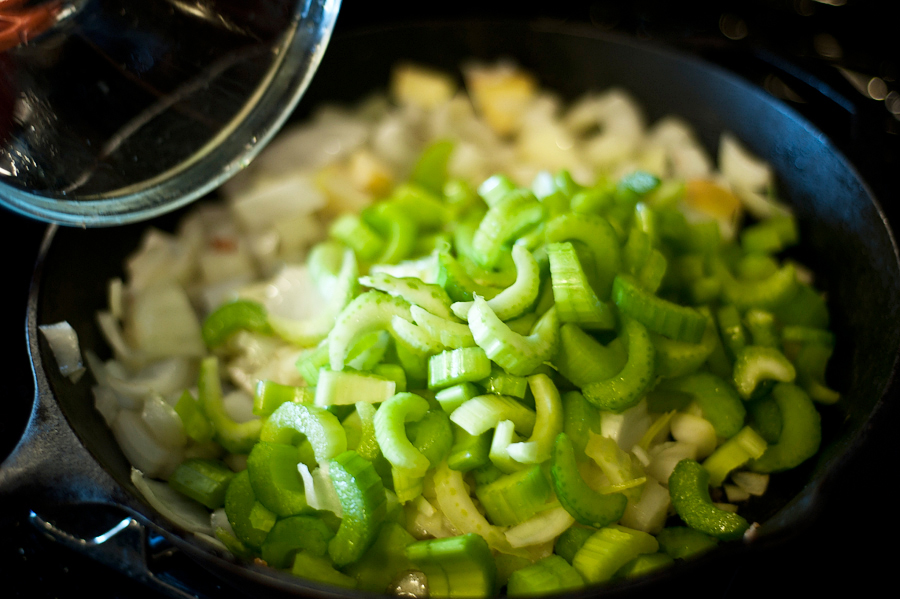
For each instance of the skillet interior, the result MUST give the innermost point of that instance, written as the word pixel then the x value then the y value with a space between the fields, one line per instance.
pixel 845 238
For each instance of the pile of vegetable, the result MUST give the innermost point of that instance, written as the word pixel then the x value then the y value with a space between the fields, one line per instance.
pixel 458 342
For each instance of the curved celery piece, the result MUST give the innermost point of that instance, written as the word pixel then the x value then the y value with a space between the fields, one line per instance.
pixel 337 291
pixel 515 299
pixel 454 366
pixel 506 220
pixel 766 294
pixel 428 296
pixel 363 504
pixel 290 535
pixel 433 435
pixel 689 489
pixel 811 362
pixel 801 432
pixel 482 413
pixel 626 388
pixel 367 446
pixel 236 437
pixel 718 401
pixel 548 423
pixel 598 235
pixel 250 520
pixel 756 363
pixel 390 422
pixel 518 354
pixel 584 360
pixel 610 548
pixel 291 422
pixel 396 228
pixel 371 311
pixel 579 418
pixel 456 281
pixel 357 235
pixel 575 298
pixel 450 334
pixel 460 566
pixel 584 504
pixel 680 542
pixel 275 478
pixel 430 169
pixel 681 323
pixel 416 339
pixel 549 575
pixel 234 316
pixel 675 358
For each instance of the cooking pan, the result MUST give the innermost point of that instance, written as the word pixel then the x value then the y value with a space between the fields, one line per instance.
pixel 67 456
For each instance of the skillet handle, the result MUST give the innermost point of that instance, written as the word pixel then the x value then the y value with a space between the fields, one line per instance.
pixel 125 548
pixel 50 466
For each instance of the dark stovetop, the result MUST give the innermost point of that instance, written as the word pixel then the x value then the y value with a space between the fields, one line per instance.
pixel 774 43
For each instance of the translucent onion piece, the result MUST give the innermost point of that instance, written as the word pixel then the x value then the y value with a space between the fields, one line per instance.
pixel 172 505
pixel 63 342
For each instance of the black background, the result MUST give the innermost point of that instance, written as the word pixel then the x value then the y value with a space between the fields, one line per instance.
pixel 851 550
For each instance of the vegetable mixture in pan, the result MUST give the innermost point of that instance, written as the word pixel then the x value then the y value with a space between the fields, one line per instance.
pixel 467 341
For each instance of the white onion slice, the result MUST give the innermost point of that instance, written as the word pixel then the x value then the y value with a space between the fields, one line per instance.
pixel 542 528
pixel 141 448
pixel 172 505
pixel 63 342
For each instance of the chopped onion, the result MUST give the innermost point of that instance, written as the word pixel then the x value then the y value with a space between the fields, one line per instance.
pixel 735 494
pixel 163 377
pixel 63 342
pixel 649 513
pixel 163 323
pixel 320 493
pixel 106 402
pixel 542 528
pixel 172 505
pixel 626 428
pixel 695 430
pixel 141 448
pixel 754 483
pixel 163 422
pixel 666 456
pixel 740 167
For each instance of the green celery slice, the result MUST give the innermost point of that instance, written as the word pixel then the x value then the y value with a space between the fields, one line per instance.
pixel 292 422
pixel 455 366
pixel 681 323
pixel 610 548
pixel 575 299
pixel 345 388
pixel 689 488
pixel 364 506
pixel 236 437
pixel 626 388
pixel 801 432
pixel 231 317
pixel 518 354
pixel 390 431
pixel 584 504
pixel 518 297
pixel 548 423
pixel 428 296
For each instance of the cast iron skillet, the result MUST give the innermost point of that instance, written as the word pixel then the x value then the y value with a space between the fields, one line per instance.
pixel 68 456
